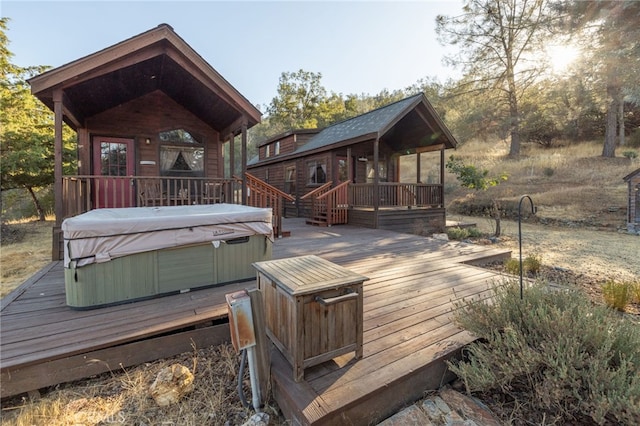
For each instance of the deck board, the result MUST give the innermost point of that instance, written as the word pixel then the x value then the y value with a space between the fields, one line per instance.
pixel 408 332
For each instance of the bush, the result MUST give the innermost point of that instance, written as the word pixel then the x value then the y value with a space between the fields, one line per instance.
pixel 548 171
pixel 530 264
pixel 458 233
pixel 636 291
pixel 617 294
pixel 553 355
pixel 630 154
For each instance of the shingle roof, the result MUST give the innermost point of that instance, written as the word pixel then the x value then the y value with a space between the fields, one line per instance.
pixel 371 122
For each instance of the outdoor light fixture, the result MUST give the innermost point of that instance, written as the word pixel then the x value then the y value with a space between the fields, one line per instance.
pixel 362 158
pixel 533 211
pixel 147 141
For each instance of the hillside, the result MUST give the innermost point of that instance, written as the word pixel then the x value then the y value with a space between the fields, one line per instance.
pixel 570 185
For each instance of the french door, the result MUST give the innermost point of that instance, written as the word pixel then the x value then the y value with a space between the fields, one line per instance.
pixel 113 161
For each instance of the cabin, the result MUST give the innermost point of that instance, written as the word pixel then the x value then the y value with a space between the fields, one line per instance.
pixel 383 169
pixel 633 206
pixel 153 119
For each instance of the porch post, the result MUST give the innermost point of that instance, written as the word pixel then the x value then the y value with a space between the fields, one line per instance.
pixel 244 162
pixel 349 171
pixel 57 149
pixel 232 156
pixel 376 180
pixel 418 167
pixel 442 176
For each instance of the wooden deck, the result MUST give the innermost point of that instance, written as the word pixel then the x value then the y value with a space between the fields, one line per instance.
pixel 407 328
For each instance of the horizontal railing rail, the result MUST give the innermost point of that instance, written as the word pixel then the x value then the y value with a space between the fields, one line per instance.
pixel 87 192
pixel 396 194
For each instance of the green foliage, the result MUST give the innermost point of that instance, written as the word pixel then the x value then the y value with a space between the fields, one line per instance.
pixel 630 154
pixel 530 265
pixel 633 140
pixel 636 291
pixel 458 233
pixel 26 130
pixel 554 353
pixel 548 171
pixel 471 177
pixel 616 294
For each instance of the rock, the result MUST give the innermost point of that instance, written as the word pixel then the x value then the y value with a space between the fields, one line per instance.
pixel 171 384
pixel 443 237
pixel 258 419
pixel 469 408
pixel 408 417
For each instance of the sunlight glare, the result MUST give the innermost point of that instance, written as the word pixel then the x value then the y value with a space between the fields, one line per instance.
pixel 561 56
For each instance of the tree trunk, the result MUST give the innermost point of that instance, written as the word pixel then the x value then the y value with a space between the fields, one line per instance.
pixel 621 118
pixel 37 205
pixel 514 120
pixel 609 149
pixel 496 217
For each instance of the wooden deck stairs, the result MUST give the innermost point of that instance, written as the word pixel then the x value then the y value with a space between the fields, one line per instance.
pixel 329 206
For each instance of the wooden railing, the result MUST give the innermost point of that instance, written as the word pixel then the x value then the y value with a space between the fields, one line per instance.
pixel 83 193
pixel 313 207
pixel 394 194
pixel 336 204
pixel 261 194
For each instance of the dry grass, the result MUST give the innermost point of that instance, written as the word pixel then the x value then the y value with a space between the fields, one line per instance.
pixel 568 183
pixel 122 397
pixel 21 259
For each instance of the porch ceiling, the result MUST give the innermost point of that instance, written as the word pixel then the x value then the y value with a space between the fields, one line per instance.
pixel 410 133
pixel 155 60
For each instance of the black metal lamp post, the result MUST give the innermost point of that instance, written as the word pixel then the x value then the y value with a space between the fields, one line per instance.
pixel 533 211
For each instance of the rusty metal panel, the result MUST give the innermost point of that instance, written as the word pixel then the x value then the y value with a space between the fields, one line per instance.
pixel 240 320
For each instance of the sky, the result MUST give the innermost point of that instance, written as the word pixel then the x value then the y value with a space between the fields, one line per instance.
pixel 359 47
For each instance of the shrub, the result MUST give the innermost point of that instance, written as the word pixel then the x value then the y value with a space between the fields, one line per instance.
pixel 630 154
pixel 530 264
pixel 548 171
pixel 553 354
pixel 617 294
pixel 458 233
pixel 636 291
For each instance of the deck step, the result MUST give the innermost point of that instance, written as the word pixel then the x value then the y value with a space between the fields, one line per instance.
pixel 317 222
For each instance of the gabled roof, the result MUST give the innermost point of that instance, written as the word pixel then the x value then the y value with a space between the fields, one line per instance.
pixel 157 59
pixel 409 123
pixel 630 175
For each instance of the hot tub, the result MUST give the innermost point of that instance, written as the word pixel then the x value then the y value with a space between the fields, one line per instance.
pixel 121 255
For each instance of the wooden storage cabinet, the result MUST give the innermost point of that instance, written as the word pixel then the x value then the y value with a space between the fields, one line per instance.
pixel 313 309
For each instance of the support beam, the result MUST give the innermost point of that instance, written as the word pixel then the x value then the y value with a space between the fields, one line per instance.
pixel 376 180
pixel 57 149
pixel 442 175
pixel 244 163
pixel 418 167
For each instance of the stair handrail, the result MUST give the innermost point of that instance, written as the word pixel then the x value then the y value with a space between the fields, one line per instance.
pixel 272 198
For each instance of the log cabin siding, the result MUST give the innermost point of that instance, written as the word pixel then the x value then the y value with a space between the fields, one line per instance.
pixel 146 117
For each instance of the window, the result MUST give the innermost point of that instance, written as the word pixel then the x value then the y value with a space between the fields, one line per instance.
pixel 267 151
pixel 276 148
pixel 181 154
pixel 382 172
pixel 290 180
pixel 343 171
pixel 317 173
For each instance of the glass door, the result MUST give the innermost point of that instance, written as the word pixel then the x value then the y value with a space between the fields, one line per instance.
pixel 113 162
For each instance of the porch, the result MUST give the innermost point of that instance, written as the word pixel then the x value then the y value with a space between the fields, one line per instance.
pixel 81 194
pixel 396 206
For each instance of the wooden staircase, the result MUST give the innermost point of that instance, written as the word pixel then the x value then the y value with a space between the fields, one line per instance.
pixel 329 206
pixel 261 194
